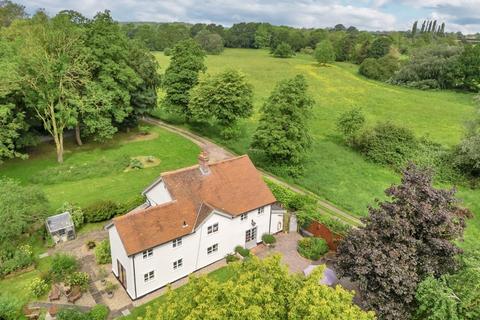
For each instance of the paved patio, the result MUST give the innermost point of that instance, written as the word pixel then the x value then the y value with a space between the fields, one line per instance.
pixel 286 245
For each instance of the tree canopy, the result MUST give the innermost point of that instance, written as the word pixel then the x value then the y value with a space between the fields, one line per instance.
pixel 71 72
pixel 182 75
pixel 22 210
pixel 224 97
pixel 259 289
pixel 283 133
pixel 324 52
pixel 404 240
pixel 210 42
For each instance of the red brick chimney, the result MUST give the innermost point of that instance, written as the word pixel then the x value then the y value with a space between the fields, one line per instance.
pixel 203 162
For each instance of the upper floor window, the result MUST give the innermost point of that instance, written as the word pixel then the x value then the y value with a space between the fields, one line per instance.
pixel 147 253
pixel 177 242
pixel 177 264
pixel 243 216
pixel 213 228
pixel 212 249
pixel 261 210
pixel 149 276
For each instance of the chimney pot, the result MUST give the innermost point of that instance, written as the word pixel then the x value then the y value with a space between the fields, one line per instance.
pixel 203 162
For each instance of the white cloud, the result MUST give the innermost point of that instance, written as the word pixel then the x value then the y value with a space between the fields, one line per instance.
pixel 304 13
pixel 463 15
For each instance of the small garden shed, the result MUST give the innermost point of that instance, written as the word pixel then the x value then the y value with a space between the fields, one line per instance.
pixel 61 227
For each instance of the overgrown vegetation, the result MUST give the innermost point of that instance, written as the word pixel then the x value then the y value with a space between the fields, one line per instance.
pixel 306 208
pixel 102 252
pixel 312 248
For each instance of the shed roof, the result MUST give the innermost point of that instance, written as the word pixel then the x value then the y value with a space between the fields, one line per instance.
pixel 59 222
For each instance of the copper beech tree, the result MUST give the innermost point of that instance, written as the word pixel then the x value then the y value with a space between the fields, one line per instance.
pixel 404 240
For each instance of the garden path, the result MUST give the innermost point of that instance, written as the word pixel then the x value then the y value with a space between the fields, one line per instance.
pixel 218 152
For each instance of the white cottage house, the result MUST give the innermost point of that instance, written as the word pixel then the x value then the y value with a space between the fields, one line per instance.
pixel 193 217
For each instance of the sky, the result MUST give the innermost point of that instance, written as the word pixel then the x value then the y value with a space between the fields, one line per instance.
pixel 458 15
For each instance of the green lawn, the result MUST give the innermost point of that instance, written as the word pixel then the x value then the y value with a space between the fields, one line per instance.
pixel 17 287
pixel 221 275
pixel 334 171
pixel 96 171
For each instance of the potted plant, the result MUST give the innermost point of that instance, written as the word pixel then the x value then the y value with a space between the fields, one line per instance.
pixel 268 240
pixel 91 244
pixel 110 288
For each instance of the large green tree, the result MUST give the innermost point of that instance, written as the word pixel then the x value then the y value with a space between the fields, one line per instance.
pixel 283 133
pixel 9 11
pixel 14 135
pixel 379 47
pixel 54 69
pixel 404 240
pixel 259 289
pixel 108 97
pixel 224 97
pixel 210 42
pixel 182 75
pixel 22 210
pixel 324 52
pixel 452 296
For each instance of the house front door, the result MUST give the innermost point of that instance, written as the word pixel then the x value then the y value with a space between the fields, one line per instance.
pixel 122 275
pixel 251 238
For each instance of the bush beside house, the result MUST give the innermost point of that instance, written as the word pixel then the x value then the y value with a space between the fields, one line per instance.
pixel 102 252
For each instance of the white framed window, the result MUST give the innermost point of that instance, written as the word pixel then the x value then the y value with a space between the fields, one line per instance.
pixel 177 242
pixel 261 210
pixel 147 277
pixel 213 228
pixel 212 249
pixel 147 253
pixel 177 264
pixel 244 216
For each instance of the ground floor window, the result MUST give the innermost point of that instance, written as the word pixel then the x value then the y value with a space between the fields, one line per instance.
pixel 177 264
pixel 149 276
pixel 212 249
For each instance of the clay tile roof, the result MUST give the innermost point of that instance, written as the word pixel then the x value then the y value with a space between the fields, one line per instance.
pixel 233 187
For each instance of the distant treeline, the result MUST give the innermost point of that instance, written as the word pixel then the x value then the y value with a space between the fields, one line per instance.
pixel 347 42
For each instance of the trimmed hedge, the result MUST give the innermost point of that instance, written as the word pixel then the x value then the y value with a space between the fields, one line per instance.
pixel 244 252
pixel 268 239
pixel 106 209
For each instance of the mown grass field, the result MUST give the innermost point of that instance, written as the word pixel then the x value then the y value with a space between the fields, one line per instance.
pixel 97 171
pixel 333 170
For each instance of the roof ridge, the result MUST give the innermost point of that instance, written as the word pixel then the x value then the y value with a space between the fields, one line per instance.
pixel 196 165
pixel 145 210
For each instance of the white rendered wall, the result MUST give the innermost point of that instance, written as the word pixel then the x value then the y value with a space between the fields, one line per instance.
pixel 193 251
pixel 118 253
pixel 277 223
pixel 161 262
